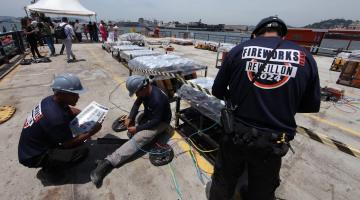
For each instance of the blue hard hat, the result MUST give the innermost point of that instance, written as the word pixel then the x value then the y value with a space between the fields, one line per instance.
pixel 135 83
pixel 67 83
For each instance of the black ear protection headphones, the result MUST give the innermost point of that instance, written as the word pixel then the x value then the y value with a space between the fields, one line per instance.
pixel 145 83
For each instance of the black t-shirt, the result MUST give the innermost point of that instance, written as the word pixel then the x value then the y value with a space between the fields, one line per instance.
pixel 32 36
pixel 289 84
pixel 90 27
pixel 45 128
pixel 157 109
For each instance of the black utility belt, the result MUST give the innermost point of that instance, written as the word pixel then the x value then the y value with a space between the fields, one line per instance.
pixel 257 139
pixel 245 134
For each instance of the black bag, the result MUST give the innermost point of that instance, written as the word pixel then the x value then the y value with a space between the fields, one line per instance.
pixel 60 32
pixel 26 62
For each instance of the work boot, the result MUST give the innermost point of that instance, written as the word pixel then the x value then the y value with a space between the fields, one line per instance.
pixel 98 174
pixel 50 177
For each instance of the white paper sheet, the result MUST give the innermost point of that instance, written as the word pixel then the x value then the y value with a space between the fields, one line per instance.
pixel 87 118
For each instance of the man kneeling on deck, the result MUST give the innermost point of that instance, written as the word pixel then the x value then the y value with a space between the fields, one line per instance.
pixel 46 139
pixel 142 127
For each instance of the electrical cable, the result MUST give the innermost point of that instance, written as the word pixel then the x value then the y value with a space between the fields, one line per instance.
pixel 126 111
pixel 352 109
pixel 203 130
pixel 149 152
pixel 187 138
pixel 197 164
pixel 156 153
pixel 201 150
pixel 174 179
pixel 199 171
pixel 347 102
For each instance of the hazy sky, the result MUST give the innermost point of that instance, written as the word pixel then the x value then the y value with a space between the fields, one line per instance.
pixel 295 13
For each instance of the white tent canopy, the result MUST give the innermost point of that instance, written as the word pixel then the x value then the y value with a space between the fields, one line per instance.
pixel 61 7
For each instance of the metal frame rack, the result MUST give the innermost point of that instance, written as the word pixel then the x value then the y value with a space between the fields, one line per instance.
pixel 191 120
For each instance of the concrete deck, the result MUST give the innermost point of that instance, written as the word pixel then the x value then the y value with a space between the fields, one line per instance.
pixel 315 171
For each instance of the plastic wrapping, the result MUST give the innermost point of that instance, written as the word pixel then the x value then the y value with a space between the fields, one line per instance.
pixel 128 55
pixel 156 41
pixel 204 82
pixel 120 43
pixel 214 46
pixel 202 42
pixel 225 47
pixel 108 45
pixel 132 37
pixel 128 48
pixel 182 41
pixel 207 45
pixel 207 105
pixel 165 63
pixel 344 55
pixel 111 37
pixel 355 55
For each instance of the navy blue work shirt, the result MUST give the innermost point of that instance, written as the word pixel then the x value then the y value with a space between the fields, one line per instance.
pixel 46 127
pixel 157 109
pixel 289 84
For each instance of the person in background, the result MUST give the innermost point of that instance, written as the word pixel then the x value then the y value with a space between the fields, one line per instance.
pixel 78 30
pixel 69 32
pixel 45 30
pixel 116 33
pixel 157 32
pixel 95 32
pixel 4 29
pixel 86 31
pixel 90 29
pixel 103 31
pixel 31 38
pixel 109 26
pixel 111 30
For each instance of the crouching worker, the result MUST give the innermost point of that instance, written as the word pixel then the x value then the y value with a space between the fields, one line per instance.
pixel 46 140
pixel 142 127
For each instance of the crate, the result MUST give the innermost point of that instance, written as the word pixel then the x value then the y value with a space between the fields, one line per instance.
pixel 338 64
pixel 350 74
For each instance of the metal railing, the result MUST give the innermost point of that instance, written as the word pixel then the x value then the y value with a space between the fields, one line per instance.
pixel 223 38
pixel 165 34
pixel 214 37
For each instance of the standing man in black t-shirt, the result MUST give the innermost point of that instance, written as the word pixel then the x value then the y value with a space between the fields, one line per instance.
pixel 46 140
pixel 142 127
pixel 30 31
pixel 266 99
